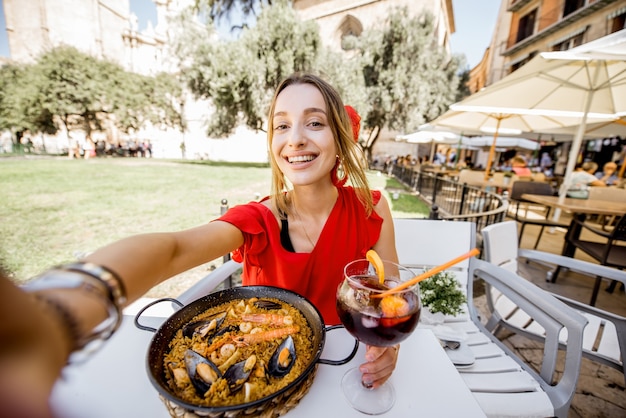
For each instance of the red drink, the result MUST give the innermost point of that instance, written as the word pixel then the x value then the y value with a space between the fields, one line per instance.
pixel 363 317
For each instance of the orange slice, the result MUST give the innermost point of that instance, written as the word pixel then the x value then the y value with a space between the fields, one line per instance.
pixel 373 257
pixel 395 310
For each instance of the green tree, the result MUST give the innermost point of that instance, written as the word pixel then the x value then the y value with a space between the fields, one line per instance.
pixel 409 79
pixel 463 90
pixel 223 9
pixel 240 76
pixel 79 91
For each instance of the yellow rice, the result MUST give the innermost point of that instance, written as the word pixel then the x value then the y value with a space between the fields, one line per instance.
pixel 261 385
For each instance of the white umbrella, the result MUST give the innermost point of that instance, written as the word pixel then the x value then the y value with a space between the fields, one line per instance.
pixel 492 120
pixel 567 88
pixel 431 137
pixel 502 142
pixel 425 137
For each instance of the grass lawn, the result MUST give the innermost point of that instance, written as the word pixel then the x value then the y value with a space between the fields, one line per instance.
pixel 53 209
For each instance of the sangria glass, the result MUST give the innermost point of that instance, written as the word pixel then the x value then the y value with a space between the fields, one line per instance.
pixel 377 321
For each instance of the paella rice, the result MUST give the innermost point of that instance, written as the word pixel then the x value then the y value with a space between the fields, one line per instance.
pixel 238 352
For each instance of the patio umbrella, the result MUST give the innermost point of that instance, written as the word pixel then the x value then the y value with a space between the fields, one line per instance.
pixel 584 85
pixel 502 142
pixel 430 137
pixel 480 120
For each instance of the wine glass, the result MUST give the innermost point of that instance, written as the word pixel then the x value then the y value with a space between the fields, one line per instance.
pixel 377 321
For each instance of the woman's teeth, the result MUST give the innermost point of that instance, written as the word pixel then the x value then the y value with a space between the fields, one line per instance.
pixel 301 158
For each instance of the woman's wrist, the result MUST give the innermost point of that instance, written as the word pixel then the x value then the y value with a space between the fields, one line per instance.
pixel 86 299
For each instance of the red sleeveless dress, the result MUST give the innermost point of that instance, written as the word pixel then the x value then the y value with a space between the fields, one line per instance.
pixel 347 235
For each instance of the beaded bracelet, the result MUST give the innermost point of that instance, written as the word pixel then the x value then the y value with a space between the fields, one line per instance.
pixel 91 278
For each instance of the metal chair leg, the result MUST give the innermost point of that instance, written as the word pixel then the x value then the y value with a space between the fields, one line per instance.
pixel 596 288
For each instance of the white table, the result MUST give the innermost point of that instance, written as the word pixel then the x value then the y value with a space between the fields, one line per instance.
pixel 114 382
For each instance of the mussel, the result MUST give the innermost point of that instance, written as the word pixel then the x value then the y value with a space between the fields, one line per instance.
pixel 238 373
pixel 204 327
pixel 202 372
pixel 283 358
pixel 267 304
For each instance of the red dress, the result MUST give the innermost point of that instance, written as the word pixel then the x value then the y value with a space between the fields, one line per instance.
pixel 346 236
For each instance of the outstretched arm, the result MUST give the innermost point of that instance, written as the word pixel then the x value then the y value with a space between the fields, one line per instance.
pixel 40 329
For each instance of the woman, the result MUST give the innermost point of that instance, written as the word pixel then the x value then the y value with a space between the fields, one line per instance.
pixel 518 166
pixel 582 178
pixel 299 238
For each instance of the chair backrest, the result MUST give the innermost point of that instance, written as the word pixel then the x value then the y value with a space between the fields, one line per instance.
pixel 612 194
pixel 619 231
pixel 472 177
pixel 540 177
pixel 521 187
pixel 425 243
pixel 500 244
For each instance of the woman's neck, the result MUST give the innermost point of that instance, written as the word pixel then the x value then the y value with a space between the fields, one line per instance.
pixel 313 202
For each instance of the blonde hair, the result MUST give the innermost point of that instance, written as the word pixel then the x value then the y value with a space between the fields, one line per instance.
pixel 349 153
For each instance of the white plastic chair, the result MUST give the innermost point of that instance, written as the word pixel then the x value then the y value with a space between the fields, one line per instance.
pixel 503 384
pixel 605 335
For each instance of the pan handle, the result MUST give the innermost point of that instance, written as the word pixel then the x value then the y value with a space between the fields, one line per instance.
pixel 145 327
pixel 347 359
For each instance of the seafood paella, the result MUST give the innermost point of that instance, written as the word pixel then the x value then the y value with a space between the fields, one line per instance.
pixel 238 352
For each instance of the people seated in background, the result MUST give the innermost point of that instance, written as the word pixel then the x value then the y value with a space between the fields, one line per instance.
pixel 608 174
pixel 518 166
pixel 582 178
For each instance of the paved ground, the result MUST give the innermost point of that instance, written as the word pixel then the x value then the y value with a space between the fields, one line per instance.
pixel 601 389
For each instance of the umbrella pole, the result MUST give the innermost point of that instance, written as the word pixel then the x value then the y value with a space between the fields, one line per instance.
pixel 492 150
pixel 573 152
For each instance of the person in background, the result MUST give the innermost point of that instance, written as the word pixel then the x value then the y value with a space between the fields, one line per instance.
pixel 288 239
pixel 518 166
pixel 582 178
pixel 608 174
pixel 546 163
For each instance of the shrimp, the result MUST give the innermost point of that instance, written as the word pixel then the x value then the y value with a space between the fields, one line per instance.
pixel 268 319
pixel 258 337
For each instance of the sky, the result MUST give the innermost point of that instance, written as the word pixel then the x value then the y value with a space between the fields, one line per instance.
pixel 474 21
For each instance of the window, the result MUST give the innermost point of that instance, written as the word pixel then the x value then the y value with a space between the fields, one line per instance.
pixel 520 63
pixel 349 27
pixel 618 22
pixel 526 26
pixel 569 43
pixel 571 6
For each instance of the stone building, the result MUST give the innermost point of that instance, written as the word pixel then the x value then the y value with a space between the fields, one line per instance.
pixel 101 28
pixel 337 19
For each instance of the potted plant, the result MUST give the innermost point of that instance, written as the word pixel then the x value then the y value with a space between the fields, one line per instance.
pixel 441 295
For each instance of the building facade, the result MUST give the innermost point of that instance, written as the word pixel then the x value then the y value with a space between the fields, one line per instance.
pixel 337 19
pixel 105 29
pixel 526 28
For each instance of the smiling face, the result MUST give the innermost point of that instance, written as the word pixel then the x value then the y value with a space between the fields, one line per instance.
pixel 302 142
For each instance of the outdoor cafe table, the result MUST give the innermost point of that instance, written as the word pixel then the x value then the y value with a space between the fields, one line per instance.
pixel 114 381
pixel 579 208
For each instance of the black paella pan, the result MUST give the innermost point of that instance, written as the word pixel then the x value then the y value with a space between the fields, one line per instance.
pixel 159 345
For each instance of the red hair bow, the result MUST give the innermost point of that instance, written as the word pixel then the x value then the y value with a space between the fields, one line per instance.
pixel 356 122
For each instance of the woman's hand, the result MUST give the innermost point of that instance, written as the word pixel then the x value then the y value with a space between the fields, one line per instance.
pixel 381 361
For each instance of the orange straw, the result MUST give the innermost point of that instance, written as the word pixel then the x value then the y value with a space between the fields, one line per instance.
pixel 427 274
